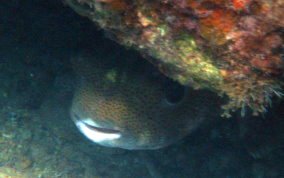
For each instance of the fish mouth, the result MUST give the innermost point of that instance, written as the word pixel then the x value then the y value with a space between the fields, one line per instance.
pixel 95 132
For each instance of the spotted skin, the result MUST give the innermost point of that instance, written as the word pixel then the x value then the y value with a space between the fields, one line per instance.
pixel 129 98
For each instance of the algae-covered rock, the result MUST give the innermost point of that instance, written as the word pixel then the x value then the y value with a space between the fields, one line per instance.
pixel 232 47
pixel 7 172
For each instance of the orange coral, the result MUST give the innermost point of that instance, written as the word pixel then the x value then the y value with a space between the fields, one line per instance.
pixel 240 4
pixel 215 27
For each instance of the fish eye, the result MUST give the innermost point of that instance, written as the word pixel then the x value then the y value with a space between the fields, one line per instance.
pixel 174 92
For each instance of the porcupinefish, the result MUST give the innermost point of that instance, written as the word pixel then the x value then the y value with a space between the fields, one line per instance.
pixel 122 103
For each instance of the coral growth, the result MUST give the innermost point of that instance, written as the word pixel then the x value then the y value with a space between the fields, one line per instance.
pixel 233 47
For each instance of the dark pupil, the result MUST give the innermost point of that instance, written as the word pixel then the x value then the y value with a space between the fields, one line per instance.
pixel 174 92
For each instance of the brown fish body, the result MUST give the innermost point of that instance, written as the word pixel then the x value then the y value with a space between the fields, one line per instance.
pixel 123 106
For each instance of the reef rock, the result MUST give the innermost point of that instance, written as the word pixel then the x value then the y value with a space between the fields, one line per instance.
pixel 232 47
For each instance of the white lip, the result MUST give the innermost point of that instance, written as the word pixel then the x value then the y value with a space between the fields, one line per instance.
pixel 96 135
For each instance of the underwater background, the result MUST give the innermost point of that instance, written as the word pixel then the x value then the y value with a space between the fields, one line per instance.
pixel 38 138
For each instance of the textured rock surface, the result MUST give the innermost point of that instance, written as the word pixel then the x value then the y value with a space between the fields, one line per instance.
pixel 232 47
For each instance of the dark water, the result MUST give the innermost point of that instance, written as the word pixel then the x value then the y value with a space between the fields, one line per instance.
pixel 38 139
